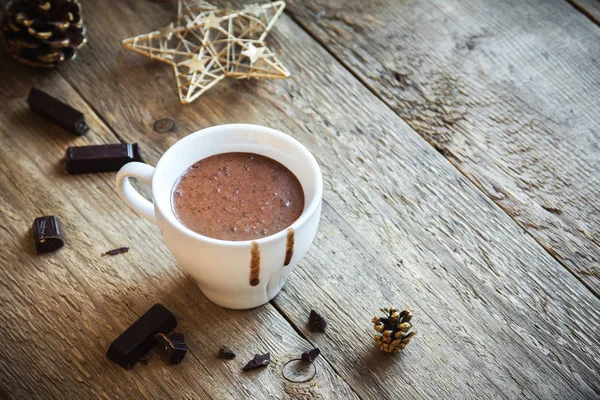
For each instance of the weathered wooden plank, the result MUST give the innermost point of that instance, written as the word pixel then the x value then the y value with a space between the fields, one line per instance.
pixel 60 311
pixel 591 8
pixel 507 91
pixel 407 228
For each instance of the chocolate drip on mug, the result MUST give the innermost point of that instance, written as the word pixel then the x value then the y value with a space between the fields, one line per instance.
pixel 289 246
pixel 254 264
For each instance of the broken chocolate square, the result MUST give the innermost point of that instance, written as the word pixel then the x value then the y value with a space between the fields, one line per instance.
pixel 259 361
pixel 174 345
pixel 57 112
pixel 316 323
pixel 311 355
pixel 47 234
pixel 100 158
pixel 226 353
pixel 139 338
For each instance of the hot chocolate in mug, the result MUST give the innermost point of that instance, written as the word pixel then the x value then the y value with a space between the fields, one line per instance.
pixel 232 274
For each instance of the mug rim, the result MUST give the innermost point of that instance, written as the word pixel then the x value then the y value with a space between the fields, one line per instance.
pixel 170 217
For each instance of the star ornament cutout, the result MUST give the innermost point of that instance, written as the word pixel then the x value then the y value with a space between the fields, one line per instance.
pixel 254 9
pixel 196 64
pixel 253 53
pixel 211 21
pixel 206 45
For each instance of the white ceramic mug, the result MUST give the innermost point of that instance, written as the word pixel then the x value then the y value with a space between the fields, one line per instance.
pixel 232 274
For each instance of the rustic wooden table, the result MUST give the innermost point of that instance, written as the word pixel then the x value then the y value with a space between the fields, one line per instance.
pixel 459 144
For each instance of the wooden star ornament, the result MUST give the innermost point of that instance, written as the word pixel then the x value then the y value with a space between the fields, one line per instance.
pixel 207 44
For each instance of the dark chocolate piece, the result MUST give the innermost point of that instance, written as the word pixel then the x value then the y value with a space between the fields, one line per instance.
pixel 58 112
pixel 139 338
pixel 226 353
pixel 101 158
pixel 47 234
pixel 316 323
pixel 259 360
pixel 114 252
pixel 311 355
pixel 174 345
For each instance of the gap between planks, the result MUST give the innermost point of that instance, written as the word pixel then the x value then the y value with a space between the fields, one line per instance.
pixel 366 84
pixel 585 11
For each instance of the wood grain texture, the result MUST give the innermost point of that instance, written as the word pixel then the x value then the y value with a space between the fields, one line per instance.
pixel 498 317
pixel 506 91
pixel 590 8
pixel 60 311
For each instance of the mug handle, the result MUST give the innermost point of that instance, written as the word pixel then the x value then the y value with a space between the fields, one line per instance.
pixel 131 196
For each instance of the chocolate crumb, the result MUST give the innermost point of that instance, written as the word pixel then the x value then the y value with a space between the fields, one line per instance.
pixel 316 323
pixel 114 252
pixel 311 355
pixel 259 360
pixel 225 353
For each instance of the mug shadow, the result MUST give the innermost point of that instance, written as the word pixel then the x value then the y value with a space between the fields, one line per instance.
pixel 180 293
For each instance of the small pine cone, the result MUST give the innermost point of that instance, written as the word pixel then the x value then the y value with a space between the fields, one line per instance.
pixel 394 330
pixel 43 33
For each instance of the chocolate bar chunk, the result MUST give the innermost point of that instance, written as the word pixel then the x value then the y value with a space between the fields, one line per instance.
pixel 101 158
pixel 139 338
pixel 259 360
pixel 47 234
pixel 311 355
pixel 174 345
pixel 226 353
pixel 316 323
pixel 58 112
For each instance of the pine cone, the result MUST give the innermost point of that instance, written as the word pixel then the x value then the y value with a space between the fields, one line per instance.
pixel 43 33
pixel 393 330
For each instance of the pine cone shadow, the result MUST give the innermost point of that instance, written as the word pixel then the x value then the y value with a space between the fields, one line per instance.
pixel 381 358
